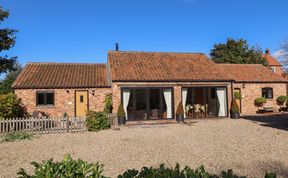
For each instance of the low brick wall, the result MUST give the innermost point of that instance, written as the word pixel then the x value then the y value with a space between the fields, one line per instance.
pixel 64 101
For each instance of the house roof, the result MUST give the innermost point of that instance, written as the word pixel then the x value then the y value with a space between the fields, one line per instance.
pixel 270 59
pixel 251 73
pixel 62 75
pixel 163 66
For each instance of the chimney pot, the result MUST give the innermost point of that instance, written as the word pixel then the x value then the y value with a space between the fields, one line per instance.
pixel 116 46
pixel 267 51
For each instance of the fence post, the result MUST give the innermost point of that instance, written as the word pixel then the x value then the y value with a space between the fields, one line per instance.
pixel 67 124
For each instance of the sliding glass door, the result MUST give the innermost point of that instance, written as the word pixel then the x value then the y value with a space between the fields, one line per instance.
pixel 147 103
pixel 204 102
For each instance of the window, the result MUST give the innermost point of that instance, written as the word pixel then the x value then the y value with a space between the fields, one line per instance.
pixel 44 98
pixel 81 98
pixel 267 93
pixel 213 93
pixel 273 69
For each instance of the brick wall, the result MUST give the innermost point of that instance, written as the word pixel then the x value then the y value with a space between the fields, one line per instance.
pixel 251 91
pixel 64 101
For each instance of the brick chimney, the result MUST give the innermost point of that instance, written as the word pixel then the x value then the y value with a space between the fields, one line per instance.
pixel 267 51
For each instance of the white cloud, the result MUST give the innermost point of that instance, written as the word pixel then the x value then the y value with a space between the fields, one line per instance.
pixel 278 54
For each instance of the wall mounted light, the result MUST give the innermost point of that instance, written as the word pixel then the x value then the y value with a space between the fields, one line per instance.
pixel 243 85
pixel 67 91
pixel 93 92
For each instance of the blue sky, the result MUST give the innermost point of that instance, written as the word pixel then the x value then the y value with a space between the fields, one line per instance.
pixel 84 30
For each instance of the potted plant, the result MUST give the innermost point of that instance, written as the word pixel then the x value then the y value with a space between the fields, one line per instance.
pixel 281 100
pixel 237 95
pixel 260 101
pixel 235 114
pixel 180 113
pixel 121 115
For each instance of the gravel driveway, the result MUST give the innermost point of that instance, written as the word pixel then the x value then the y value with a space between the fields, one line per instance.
pixel 243 145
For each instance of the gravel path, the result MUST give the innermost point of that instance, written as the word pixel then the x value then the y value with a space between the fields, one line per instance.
pixel 245 146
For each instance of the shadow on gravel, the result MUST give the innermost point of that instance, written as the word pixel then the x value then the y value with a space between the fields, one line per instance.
pixel 279 121
pixel 279 168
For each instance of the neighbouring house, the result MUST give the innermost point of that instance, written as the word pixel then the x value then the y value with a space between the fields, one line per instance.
pixel 150 85
pixel 273 63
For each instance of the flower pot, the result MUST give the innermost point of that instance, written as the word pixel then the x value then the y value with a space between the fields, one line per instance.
pixel 235 115
pixel 122 120
pixel 180 118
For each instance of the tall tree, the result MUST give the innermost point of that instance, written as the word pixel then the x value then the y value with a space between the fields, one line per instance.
pixel 7 41
pixel 6 83
pixel 237 52
pixel 284 49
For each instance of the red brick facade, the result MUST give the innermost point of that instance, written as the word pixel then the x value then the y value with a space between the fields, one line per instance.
pixel 64 100
pixel 251 91
pixel 177 88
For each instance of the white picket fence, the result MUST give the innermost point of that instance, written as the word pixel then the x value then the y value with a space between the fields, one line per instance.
pixel 42 125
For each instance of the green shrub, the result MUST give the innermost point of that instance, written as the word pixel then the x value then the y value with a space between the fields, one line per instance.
pixel 237 95
pixel 281 99
pixel 15 136
pixel 97 121
pixel 260 101
pixel 121 112
pixel 11 106
pixel 234 106
pixel 270 175
pixel 180 110
pixel 176 172
pixel 108 103
pixel 69 168
pixel 64 169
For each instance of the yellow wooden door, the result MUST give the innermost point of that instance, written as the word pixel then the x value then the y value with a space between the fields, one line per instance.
pixel 81 103
pixel 238 101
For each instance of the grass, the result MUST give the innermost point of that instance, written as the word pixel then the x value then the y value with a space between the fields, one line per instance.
pixel 15 136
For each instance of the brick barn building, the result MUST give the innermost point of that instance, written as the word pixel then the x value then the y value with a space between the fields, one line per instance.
pixel 150 85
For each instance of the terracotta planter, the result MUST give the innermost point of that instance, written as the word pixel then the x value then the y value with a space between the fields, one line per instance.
pixel 122 120
pixel 235 115
pixel 180 118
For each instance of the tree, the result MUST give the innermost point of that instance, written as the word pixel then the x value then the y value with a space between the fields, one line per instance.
pixel 7 41
pixel 237 52
pixel 284 49
pixel 11 106
pixel 6 83
pixel 284 55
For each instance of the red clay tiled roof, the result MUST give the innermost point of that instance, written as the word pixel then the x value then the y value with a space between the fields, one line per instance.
pixel 251 73
pixel 271 60
pixel 163 66
pixel 62 75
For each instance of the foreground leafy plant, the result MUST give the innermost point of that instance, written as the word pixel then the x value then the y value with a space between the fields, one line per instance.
pixel 15 136
pixel 68 168
pixel 176 172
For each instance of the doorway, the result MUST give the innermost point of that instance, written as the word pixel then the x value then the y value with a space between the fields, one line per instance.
pixel 151 103
pixel 81 103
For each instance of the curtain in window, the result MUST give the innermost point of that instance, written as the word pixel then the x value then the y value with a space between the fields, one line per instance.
pixel 221 95
pixel 184 98
pixel 168 100
pixel 126 96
